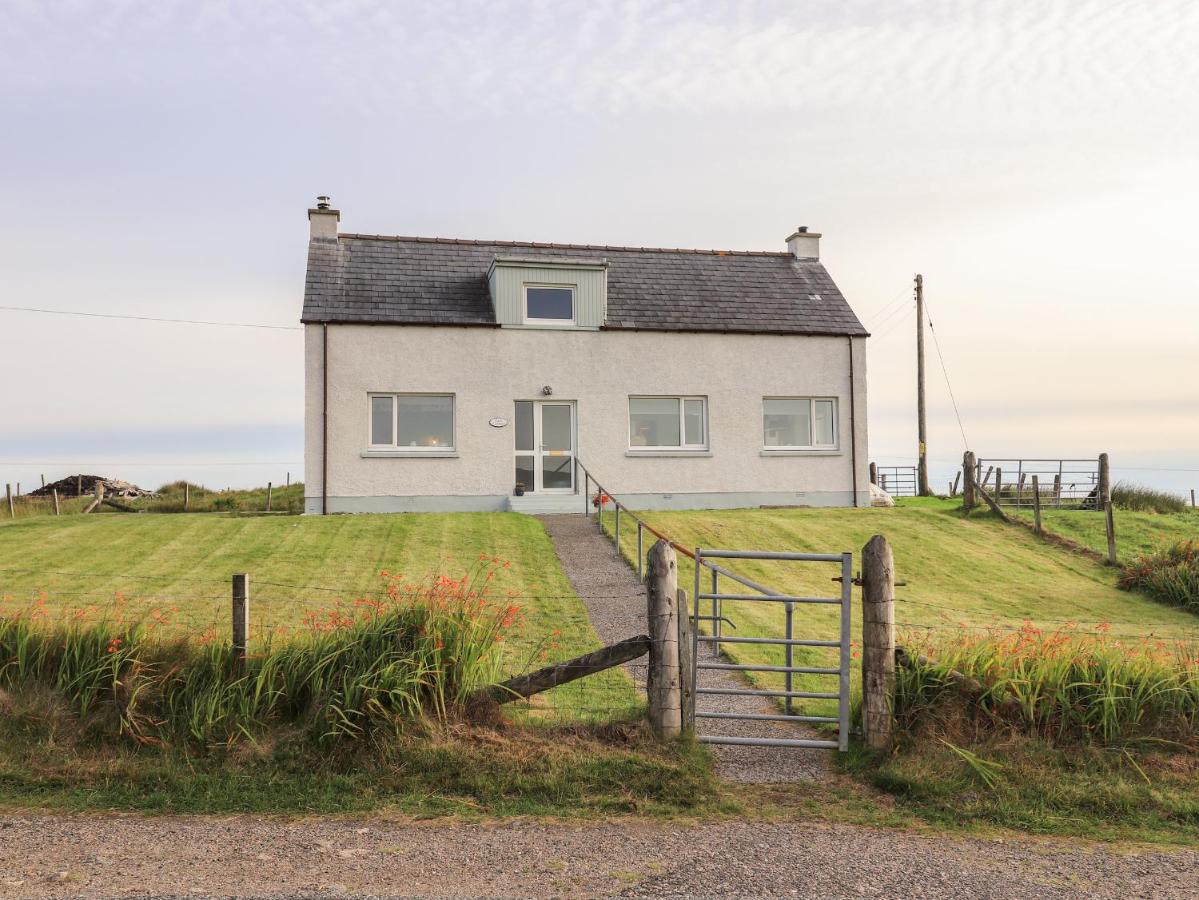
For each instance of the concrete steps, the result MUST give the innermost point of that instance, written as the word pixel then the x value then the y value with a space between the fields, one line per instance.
pixel 546 504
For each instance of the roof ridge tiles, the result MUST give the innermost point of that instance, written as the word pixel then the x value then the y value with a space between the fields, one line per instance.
pixel 542 245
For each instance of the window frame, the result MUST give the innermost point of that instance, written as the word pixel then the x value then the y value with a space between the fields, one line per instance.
pixel 682 446
pixel 395 446
pixel 556 323
pixel 812 401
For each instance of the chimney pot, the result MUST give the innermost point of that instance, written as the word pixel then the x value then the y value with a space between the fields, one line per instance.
pixel 322 220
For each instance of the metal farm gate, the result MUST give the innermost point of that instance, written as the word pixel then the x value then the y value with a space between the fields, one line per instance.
pixel 898 481
pixel 751 591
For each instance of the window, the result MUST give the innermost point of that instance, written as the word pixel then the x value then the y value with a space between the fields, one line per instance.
pixel 799 423
pixel 668 423
pixel 549 304
pixel 418 422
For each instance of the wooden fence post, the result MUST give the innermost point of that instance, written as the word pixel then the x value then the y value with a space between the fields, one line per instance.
pixel 874 473
pixel 662 684
pixel 878 643
pixel 241 618
pixel 8 492
pixel 268 496
pixel 1109 521
pixel 1036 504
pixel 57 512
pixel 1105 481
pixel 686 685
pixel 969 472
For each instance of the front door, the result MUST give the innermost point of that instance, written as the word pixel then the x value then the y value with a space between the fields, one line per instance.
pixel 545 446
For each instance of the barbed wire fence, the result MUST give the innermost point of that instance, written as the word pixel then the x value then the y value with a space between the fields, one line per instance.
pixel 200 606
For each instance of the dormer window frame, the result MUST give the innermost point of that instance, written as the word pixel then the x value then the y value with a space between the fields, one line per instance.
pixel 544 322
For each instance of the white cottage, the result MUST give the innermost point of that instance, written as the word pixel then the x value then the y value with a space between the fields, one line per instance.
pixel 483 375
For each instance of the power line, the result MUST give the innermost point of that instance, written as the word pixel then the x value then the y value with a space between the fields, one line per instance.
pixel 91 315
pixel 945 372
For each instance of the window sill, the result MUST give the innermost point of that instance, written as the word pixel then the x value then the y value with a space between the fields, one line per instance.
pixel 800 453
pixel 675 453
pixel 409 454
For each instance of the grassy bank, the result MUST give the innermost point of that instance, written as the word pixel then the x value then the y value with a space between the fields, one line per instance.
pixel 180 566
pixel 970 571
pixel 1046 732
pixel 170 498
pixel 1137 533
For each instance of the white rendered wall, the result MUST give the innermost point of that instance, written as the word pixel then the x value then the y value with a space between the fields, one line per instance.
pixel 487 369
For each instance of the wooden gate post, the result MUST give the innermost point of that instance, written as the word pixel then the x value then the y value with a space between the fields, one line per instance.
pixel 969 500
pixel 241 619
pixel 662 685
pixel 878 643
pixel 686 663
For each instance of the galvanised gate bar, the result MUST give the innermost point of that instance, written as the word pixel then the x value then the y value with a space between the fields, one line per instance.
pixel 705 559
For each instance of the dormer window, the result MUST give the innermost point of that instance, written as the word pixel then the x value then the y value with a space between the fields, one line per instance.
pixel 547 304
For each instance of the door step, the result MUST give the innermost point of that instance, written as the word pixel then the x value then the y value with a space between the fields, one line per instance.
pixel 541 504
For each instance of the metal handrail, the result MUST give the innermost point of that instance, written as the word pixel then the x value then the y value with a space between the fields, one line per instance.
pixel 620 507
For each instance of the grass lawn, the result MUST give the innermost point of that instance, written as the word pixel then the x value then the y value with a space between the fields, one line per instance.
pixel 301 563
pixel 972 571
pixel 1136 532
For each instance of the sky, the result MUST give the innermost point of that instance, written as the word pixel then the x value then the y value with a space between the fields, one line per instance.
pixel 1037 162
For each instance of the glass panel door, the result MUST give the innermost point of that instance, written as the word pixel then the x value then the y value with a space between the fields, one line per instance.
pixel 526 461
pixel 557 447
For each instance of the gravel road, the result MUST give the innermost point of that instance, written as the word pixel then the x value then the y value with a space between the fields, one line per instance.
pixel 615 601
pixel 128 856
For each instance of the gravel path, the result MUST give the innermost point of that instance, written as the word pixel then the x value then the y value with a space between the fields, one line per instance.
pixel 615 600
pixel 128 856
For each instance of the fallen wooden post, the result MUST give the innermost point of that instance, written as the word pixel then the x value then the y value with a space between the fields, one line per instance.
pixel 991 503
pixel 523 686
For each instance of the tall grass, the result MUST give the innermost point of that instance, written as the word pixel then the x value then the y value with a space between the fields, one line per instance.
pixel 387 663
pixel 1170 575
pixel 1144 499
pixel 1065 687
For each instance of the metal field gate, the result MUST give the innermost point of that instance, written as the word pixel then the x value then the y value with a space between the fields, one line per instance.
pixel 708 575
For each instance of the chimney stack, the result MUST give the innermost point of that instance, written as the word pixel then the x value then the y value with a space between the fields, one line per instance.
pixel 323 220
pixel 804 244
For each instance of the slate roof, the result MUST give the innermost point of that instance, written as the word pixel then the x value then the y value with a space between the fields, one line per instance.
pixel 440 281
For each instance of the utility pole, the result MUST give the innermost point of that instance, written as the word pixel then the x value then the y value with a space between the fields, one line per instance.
pixel 922 424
